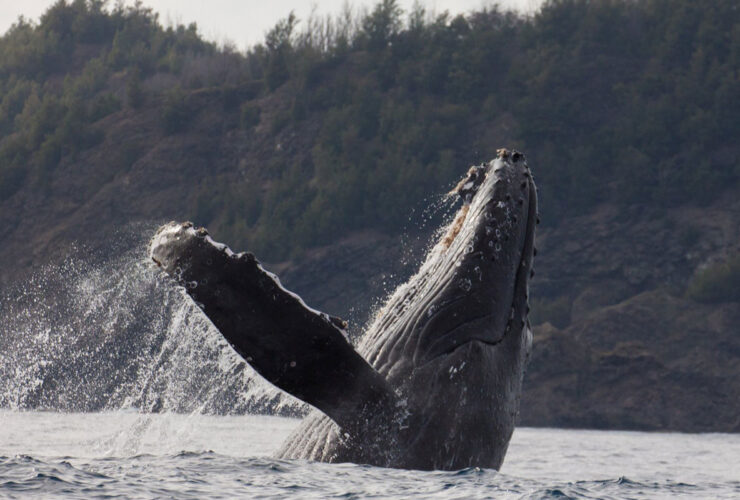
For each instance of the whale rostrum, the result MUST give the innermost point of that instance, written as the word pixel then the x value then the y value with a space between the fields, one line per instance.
pixel 435 380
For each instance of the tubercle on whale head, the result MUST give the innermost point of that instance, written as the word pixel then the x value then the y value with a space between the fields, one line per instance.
pixel 468 186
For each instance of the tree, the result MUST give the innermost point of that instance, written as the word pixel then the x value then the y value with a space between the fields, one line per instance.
pixel 279 43
pixel 382 24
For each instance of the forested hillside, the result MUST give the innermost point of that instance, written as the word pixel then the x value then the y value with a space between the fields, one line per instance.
pixel 611 100
pixel 315 148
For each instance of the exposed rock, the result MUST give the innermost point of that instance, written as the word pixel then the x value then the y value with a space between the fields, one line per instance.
pixel 654 362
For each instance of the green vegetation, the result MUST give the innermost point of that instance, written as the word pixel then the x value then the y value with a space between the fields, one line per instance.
pixel 176 114
pixel 55 79
pixel 719 282
pixel 250 115
pixel 613 100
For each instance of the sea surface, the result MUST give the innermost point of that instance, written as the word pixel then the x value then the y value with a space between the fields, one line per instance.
pixel 137 455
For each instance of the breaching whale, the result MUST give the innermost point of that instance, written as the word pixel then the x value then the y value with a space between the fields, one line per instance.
pixel 435 380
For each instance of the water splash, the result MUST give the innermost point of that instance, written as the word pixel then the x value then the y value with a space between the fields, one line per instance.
pixel 114 335
pixel 418 238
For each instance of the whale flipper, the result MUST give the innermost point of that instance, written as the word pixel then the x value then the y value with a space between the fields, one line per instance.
pixel 300 350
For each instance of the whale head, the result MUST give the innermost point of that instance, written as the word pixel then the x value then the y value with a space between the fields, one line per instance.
pixel 455 339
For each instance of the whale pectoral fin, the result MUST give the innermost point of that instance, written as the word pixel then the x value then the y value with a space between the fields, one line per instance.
pixel 298 349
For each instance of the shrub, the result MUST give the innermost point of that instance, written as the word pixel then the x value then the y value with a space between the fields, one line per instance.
pixel 104 105
pixel 134 92
pixel 11 178
pixel 250 115
pixel 176 112
pixel 280 120
pixel 718 282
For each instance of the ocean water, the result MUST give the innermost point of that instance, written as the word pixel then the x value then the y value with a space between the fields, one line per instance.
pixel 133 455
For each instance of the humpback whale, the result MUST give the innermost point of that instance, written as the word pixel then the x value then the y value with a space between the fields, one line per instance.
pixel 435 380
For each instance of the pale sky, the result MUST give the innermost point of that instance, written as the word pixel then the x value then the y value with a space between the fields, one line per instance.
pixel 244 22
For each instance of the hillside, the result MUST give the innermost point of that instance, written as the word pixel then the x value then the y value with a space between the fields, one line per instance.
pixel 320 150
